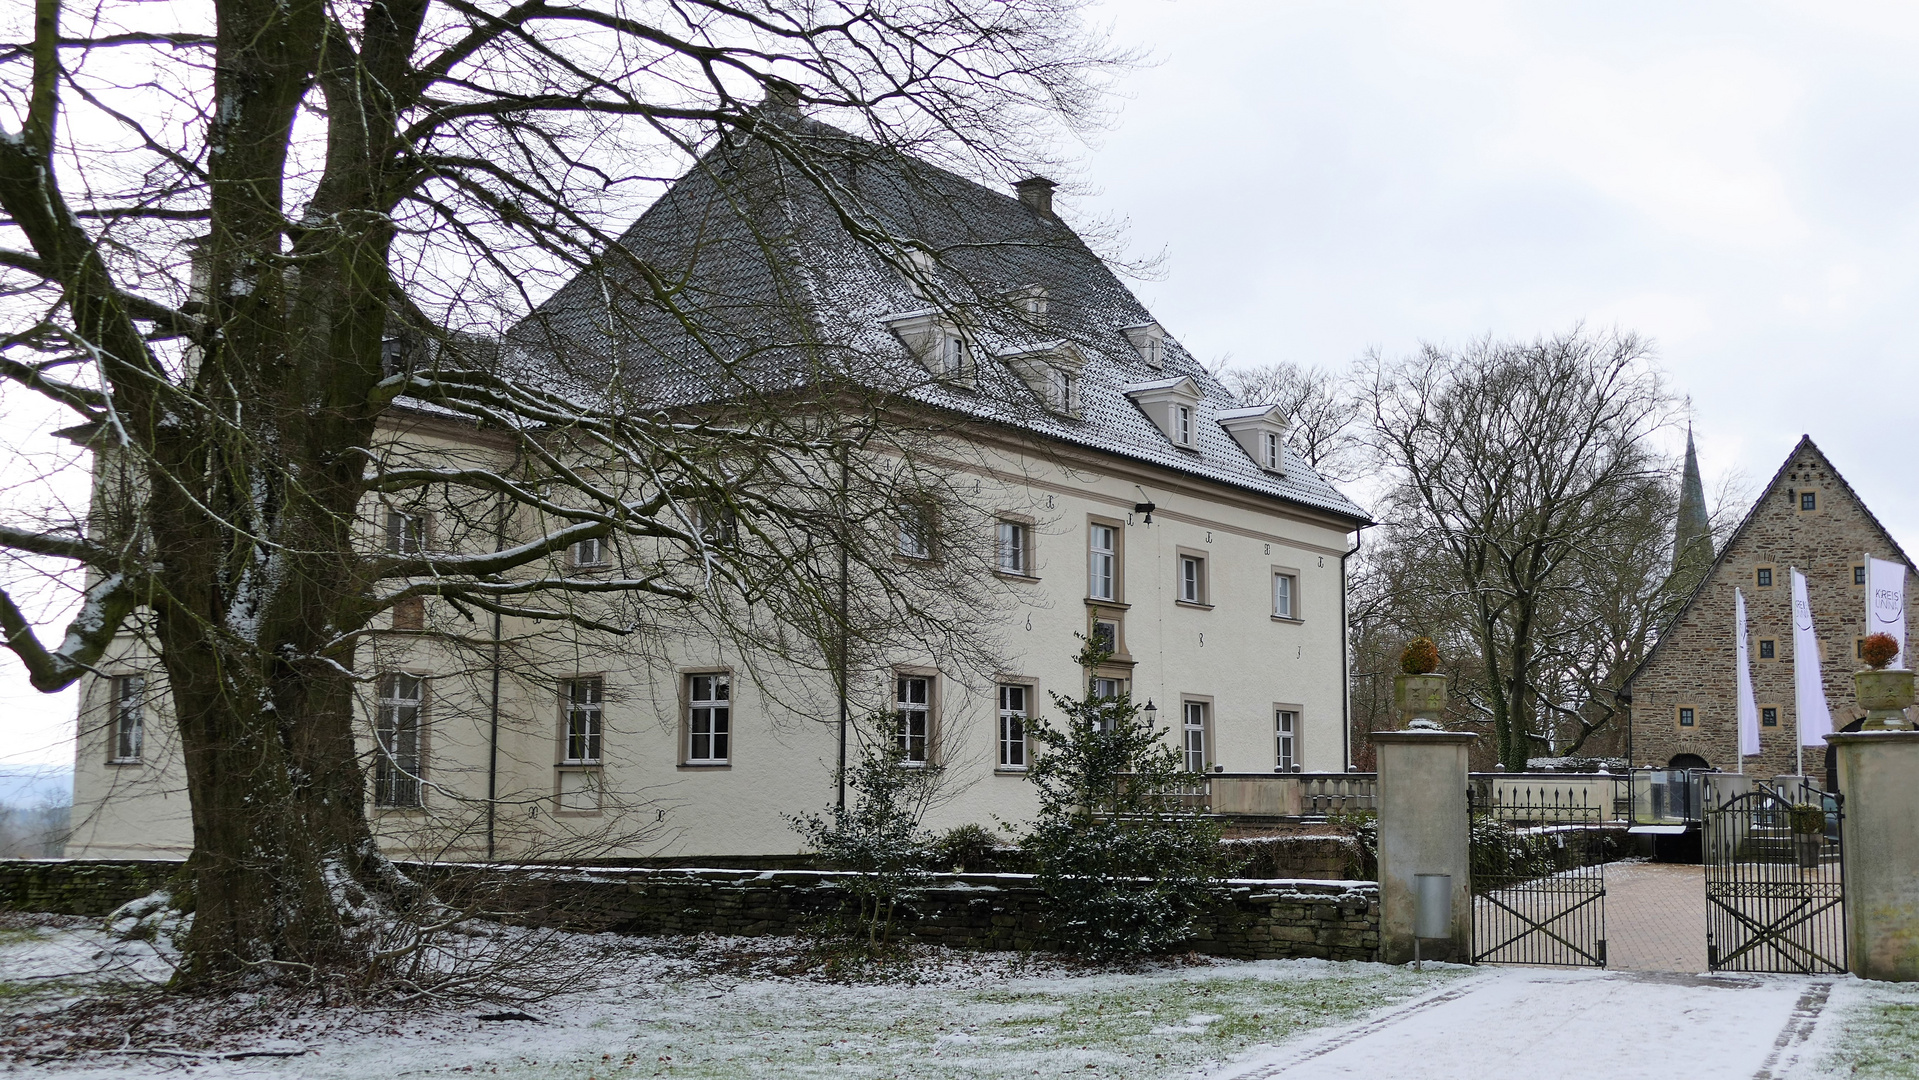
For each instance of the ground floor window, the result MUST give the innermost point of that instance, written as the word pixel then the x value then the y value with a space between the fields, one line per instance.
pixel 398 772
pixel 1194 736
pixel 913 716
pixel 585 703
pixel 1013 714
pixel 709 718
pixel 1286 727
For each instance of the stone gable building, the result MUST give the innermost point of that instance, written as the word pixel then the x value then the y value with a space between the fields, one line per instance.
pixel 1684 703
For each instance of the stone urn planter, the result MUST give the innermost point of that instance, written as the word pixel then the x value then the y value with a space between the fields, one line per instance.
pixel 1885 694
pixel 1420 699
pixel 1808 834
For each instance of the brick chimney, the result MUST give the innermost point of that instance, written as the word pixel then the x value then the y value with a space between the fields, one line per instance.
pixel 1036 192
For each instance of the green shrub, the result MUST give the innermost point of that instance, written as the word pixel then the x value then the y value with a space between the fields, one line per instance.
pixel 967 847
pixel 1125 865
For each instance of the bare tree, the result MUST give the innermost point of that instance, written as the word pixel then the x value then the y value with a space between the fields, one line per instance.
pixel 1323 425
pixel 1528 500
pixel 310 421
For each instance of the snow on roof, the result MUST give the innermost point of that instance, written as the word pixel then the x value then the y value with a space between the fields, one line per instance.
pixel 743 278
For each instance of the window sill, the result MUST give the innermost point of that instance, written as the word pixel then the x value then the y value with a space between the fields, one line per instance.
pixel 579 813
pixel 581 766
pixel 1114 605
pixel 1009 770
pixel 1011 576
pixel 704 766
pixel 122 763
pixel 1194 604
pixel 385 810
pixel 1288 619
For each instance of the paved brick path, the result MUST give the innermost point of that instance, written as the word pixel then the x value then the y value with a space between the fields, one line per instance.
pixel 1655 917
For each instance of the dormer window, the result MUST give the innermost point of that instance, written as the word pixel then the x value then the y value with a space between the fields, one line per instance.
pixel 919 271
pixel 1052 371
pixel 955 358
pixel 1031 302
pixel 1149 341
pixel 1172 405
pixel 1261 432
pixel 937 344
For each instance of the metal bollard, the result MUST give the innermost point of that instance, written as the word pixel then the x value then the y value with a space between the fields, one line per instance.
pixel 1432 910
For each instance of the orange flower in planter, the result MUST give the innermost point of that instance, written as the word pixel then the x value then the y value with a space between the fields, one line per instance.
pixel 1878 650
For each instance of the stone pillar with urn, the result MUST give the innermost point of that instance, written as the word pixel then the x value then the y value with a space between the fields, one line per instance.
pixel 1424 824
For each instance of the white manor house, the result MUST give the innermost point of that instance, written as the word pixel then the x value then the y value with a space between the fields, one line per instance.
pixel 1137 503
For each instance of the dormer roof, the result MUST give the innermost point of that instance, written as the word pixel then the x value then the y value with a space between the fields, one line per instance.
pixel 825 305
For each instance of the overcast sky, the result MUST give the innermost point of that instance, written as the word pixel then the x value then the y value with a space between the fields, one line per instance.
pixel 1736 181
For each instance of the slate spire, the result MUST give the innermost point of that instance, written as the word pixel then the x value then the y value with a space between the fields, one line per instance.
pixel 1692 536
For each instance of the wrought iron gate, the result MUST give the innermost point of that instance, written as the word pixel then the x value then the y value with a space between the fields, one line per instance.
pixel 1539 878
pixel 1775 881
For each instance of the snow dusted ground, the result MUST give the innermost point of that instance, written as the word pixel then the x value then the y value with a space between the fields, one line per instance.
pixel 719 1007
pixel 752 1007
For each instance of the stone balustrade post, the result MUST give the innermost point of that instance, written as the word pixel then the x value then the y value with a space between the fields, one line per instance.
pixel 1876 772
pixel 1424 828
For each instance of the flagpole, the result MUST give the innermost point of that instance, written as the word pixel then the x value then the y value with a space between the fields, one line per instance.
pixel 1798 713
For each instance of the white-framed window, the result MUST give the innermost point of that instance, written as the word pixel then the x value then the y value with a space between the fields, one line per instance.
pixel 709 718
pixel 913 717
pixel 590 552
pixel 1150 349
pixel 398 771
pixel 1285 596
pixel 1183 425
pixel 955 356
pixel 1102 561
pixel 1014 703
pixel 405 532
pixel 1193 735
pixel 1015 549
pixel 584 701
pixel 1065 391
pixel 1269 449
pixel 1286 734
pixel 129 717
pixel 1192 579
pixel 1104 688
pixel 914 538
pixel 715 524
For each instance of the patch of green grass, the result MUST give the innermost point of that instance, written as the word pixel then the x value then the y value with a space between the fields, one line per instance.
pixel 1880 1038
pixel 1153 1026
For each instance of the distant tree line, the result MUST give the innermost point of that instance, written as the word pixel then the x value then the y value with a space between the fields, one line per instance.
pixel 1526 511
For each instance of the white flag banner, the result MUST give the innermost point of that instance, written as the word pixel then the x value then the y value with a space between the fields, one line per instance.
pixel 1808 680
pixel 1748 710
pixel 1886 602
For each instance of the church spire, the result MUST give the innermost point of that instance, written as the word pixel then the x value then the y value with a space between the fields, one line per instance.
pixel 1692 537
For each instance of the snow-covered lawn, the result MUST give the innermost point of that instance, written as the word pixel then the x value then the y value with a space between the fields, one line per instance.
pixel 1870 1031
pixel 719 1007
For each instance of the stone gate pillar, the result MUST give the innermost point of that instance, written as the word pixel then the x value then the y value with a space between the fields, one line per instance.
pixel 1423 829
pixel 1877 770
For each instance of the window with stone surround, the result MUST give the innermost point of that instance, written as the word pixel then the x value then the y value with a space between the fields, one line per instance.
pixel 1762 577
pixel 1768 716
pixel 1768 649
pixel 1686 716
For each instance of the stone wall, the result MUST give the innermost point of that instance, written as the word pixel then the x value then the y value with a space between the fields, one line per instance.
pixel 1260 919
pixel 78 886
pixel 1694 662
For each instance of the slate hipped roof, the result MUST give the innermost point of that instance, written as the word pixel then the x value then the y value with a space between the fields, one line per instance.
pixel 781 294
pixel 1772 487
